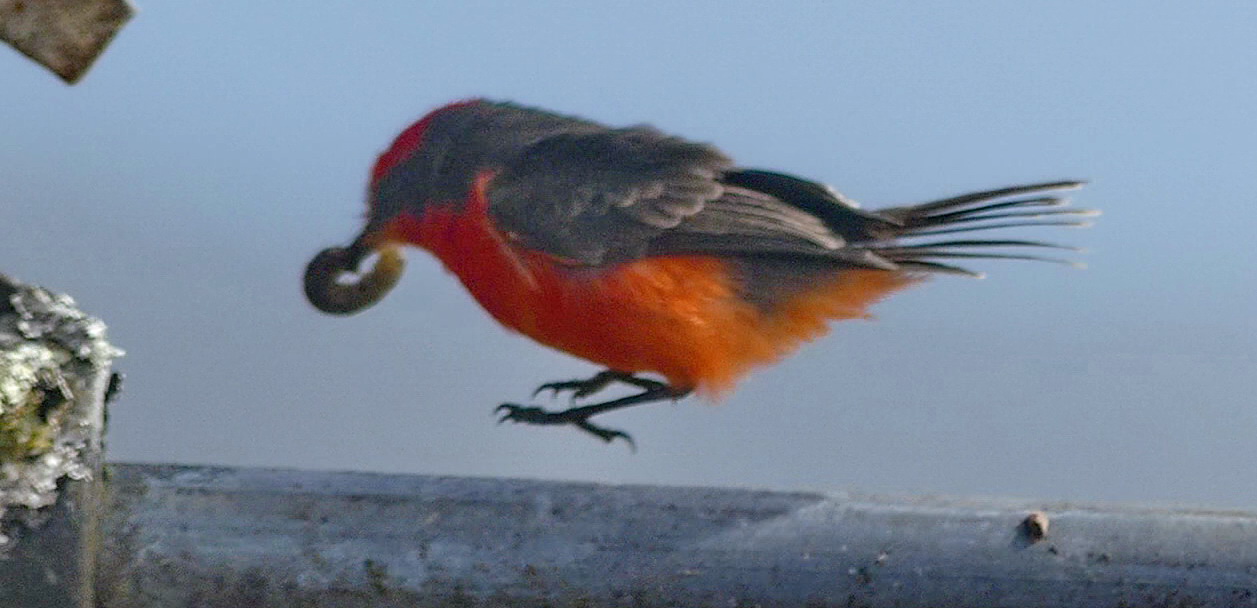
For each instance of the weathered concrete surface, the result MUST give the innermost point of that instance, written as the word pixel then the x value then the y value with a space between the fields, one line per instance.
pixel 65 36
pixel 211 537
pixel 54 370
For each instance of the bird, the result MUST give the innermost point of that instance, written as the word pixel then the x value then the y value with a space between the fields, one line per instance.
pixel 653 256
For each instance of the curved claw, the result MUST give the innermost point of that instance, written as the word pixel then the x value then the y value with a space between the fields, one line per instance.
pixel 328 292
pixel 580 388
pixel 535 415
pixel 607 435
pixel 550 386
pixel 583 388
pixel 521 413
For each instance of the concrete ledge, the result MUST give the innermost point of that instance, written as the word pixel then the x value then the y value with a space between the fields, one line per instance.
pixel 211 537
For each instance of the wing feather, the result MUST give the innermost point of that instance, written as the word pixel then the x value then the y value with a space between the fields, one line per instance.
pixel 608 196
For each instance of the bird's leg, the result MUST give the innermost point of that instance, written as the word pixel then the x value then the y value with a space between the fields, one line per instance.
pixel 584 388
pixel 579 416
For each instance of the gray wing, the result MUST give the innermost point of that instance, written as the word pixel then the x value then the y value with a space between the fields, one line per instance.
pixel 614 195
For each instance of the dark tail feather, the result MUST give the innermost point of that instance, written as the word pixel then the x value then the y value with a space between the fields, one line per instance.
pixel 1064 223
pixel 975 212
pixel 983 213
pixel 915 256
pixel 972 243
pixel 955 202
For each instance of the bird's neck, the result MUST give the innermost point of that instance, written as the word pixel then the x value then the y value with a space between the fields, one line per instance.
pixel 463 237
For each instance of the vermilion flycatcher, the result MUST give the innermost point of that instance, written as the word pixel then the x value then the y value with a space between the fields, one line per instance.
pixel 644 252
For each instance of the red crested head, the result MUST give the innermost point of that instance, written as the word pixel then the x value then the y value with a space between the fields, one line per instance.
pixel 436 159
pixel 410 139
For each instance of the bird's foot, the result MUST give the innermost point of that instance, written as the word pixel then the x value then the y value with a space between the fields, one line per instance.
pixel 579 388
pixel 589 386
pixel 577 417
pixel 652 390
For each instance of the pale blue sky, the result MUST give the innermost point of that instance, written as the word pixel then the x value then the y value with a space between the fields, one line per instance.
pixel 178 191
